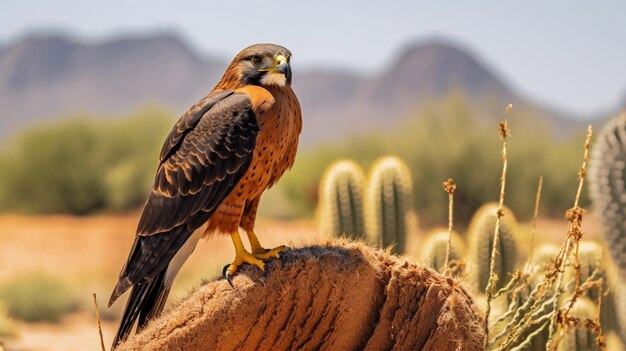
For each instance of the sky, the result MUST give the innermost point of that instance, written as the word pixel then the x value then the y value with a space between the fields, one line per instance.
pixel 566 54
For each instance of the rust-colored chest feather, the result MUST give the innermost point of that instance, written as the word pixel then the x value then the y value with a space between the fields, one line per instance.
pixel 277 142
pixel 274 153
pixel 276 145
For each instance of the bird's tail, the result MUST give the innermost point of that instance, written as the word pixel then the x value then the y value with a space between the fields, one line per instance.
pixel 146 301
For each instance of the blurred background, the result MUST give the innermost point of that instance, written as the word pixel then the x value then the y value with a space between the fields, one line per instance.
pixel 89 90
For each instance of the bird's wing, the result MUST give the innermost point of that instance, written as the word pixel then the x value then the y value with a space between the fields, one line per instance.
pixel 205 155
pixel 201 161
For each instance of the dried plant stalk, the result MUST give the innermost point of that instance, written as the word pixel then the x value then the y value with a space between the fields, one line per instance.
pixel 540 308
pixel 493 278
pixel 449 186
pixel 574 233
pixel 95 303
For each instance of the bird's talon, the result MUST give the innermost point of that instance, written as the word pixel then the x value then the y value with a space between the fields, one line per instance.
pixel 229 280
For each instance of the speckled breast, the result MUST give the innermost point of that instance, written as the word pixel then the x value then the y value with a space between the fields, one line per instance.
pixel 274 153
pixel 277 142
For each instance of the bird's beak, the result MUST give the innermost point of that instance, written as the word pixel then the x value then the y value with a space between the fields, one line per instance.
pixel 283 67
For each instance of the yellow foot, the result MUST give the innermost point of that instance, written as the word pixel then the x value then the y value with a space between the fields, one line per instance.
pixel 241 258
pixel 265 254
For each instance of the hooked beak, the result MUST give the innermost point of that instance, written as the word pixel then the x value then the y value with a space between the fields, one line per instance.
pixel 283 67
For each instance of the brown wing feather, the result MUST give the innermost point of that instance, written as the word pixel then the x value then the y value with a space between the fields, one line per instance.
pixel 205 164
pixel 203 158
pixel 188 121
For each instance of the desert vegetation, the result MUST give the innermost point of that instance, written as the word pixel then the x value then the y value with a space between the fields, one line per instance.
pixel 448 138
pixel 37 297
pixel 90 165
pixel 107 165
pixel 565 297
pixel 536 294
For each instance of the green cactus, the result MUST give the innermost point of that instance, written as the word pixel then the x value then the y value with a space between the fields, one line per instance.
pixel 591 259
pixel 520 295
pixel 481 232
pixel 544 254
pixel 607 187
pixel 341 200
pixel 435 245
pixel 388 203
pixel 581 338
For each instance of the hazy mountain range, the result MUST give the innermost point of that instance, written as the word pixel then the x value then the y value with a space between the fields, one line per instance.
pixel 47 77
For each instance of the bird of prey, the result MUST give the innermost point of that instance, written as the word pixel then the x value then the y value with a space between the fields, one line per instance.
pixel 214 166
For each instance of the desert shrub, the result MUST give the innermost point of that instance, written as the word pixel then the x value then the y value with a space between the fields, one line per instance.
pixel 82 165
pixel 133 152
pixel 54 169
pixel 35 297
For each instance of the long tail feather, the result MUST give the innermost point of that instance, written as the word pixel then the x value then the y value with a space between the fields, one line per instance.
pixel 146 301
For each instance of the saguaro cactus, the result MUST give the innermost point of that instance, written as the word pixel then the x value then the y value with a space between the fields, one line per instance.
pixel 341 200
pixel 388 202
pixel 435 246
pixel 481 232
pixel 607 187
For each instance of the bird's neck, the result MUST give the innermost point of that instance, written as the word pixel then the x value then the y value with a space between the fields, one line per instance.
pixel 230 81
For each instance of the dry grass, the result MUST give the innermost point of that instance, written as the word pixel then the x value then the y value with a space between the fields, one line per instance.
pixel 541 306
pixel 493 278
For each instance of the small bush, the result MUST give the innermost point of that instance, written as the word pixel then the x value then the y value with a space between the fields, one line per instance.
pixel 82 165
pixel 37 297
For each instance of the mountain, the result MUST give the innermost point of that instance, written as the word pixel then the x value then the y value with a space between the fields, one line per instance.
pixel 45 77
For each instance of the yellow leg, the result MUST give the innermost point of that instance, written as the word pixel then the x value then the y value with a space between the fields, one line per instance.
pixel 260 252
pixel 241 256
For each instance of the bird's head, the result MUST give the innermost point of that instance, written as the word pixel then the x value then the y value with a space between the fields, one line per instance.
pixel 259 64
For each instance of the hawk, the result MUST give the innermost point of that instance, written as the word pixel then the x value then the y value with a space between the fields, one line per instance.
pixel 214 166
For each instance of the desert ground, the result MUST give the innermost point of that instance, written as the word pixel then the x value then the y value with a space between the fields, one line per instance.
pixel 88 252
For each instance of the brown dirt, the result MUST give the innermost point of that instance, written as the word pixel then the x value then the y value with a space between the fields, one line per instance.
pixel 338 296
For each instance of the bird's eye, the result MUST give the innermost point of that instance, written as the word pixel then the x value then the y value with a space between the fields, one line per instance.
pixel 256 59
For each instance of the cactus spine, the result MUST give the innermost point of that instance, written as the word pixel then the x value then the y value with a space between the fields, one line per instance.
pixel 341 200
pixel 607 187
pixel 435 246
pixel 481 231
pixel 388 201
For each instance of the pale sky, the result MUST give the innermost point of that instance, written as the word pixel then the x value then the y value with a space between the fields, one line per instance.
pixel 564 53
